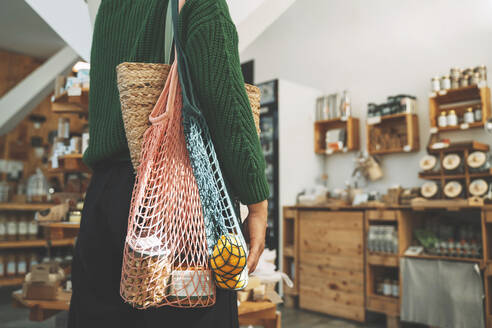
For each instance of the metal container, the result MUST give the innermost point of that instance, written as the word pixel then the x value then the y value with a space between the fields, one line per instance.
pixel 482 71
pixel 475 79
pixel 455 73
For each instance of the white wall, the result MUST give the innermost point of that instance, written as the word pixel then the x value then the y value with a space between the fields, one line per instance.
pixel 374 48
pixel 299 166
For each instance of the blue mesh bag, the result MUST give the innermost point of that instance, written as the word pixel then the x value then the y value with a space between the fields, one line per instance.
pixel 227 248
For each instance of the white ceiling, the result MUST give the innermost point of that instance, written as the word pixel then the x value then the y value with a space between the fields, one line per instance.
pixel 23 31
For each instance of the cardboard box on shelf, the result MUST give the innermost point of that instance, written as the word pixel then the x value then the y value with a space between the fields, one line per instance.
pixel 43 282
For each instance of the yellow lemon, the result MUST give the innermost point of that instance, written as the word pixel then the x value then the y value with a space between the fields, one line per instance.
pixel 228 257
pixel 230 283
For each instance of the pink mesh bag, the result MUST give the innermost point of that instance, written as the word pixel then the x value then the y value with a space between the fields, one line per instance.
pixel 165 260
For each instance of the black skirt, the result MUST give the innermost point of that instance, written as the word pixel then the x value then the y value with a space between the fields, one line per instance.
pixel 96 268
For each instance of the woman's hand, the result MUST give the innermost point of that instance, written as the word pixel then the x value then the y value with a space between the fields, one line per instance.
pixel 256 224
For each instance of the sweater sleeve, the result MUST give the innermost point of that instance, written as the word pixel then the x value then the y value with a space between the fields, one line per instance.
pixel 211 43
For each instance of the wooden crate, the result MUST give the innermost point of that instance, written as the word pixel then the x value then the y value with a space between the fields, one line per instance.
pixel 290 247
pixel 462 98
pixel 351 125
pixel 331 256
pixel 408 124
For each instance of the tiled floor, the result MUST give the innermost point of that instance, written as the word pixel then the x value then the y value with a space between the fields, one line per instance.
pixel 18 318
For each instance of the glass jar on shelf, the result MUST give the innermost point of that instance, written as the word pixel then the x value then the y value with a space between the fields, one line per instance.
pixel 12 226
pixel 3 226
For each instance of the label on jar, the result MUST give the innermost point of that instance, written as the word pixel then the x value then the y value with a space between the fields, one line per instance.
pixel 476 159
pixel 11 267
pixel 453 189
pixel 12 227
pixel 464 126
pixel 21 267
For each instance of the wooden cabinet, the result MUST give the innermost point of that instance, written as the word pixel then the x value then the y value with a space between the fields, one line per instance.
pixel 331 259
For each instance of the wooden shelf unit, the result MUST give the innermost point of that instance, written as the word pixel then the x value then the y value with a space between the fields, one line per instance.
pixel 11 281
pixel 65 104
pixel 463 98
pixel 463 149
pixel 290 254
pixel 72 163
pixel 351 125
pixel 407 123
pixel 318 254
pixel 36 243
pixel 27 207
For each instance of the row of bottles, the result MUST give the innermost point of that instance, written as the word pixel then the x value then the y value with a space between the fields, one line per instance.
pixel 20 262
pixel 18 226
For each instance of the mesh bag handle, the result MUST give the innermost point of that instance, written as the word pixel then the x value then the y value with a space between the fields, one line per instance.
pixel 226 245
pixel 165 259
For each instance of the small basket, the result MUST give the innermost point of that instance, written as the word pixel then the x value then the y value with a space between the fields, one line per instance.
pixel 254 100
pixel 140 85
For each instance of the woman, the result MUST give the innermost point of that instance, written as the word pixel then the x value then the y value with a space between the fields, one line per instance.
pixel 133 30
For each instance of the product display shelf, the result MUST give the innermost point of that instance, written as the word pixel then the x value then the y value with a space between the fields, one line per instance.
pixel 317 257
pixel 65 104
pixel 382 259
pixel 11 281
pixel 351 125
pixel 408 124
pixel 463 149
pixel 27 207
pixel 41 310
pixel 439 176
pixel 446 258
pixel 36 243
pixel 290 254
pixel 72 163
pixel 378 263
pixel 459 100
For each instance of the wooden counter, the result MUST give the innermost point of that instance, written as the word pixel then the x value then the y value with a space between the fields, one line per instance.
pixel 324 252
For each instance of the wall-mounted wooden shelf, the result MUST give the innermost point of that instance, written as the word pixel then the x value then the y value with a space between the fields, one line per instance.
pixel 351 126
pixel 382 259
pixel 65 104
pixel 72 163
pixel 28 207
pixel 11 281
pixel 459 100
pixel 36 243
pixel 402 124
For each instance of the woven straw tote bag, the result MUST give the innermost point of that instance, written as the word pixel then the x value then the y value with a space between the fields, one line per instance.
pixel 140 85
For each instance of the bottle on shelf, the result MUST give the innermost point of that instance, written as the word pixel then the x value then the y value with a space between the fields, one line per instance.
pixel 23 224
pixel 11 265
pixel 12 227
pixel 3 227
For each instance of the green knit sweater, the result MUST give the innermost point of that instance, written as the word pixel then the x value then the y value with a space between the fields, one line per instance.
pixel 133 30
